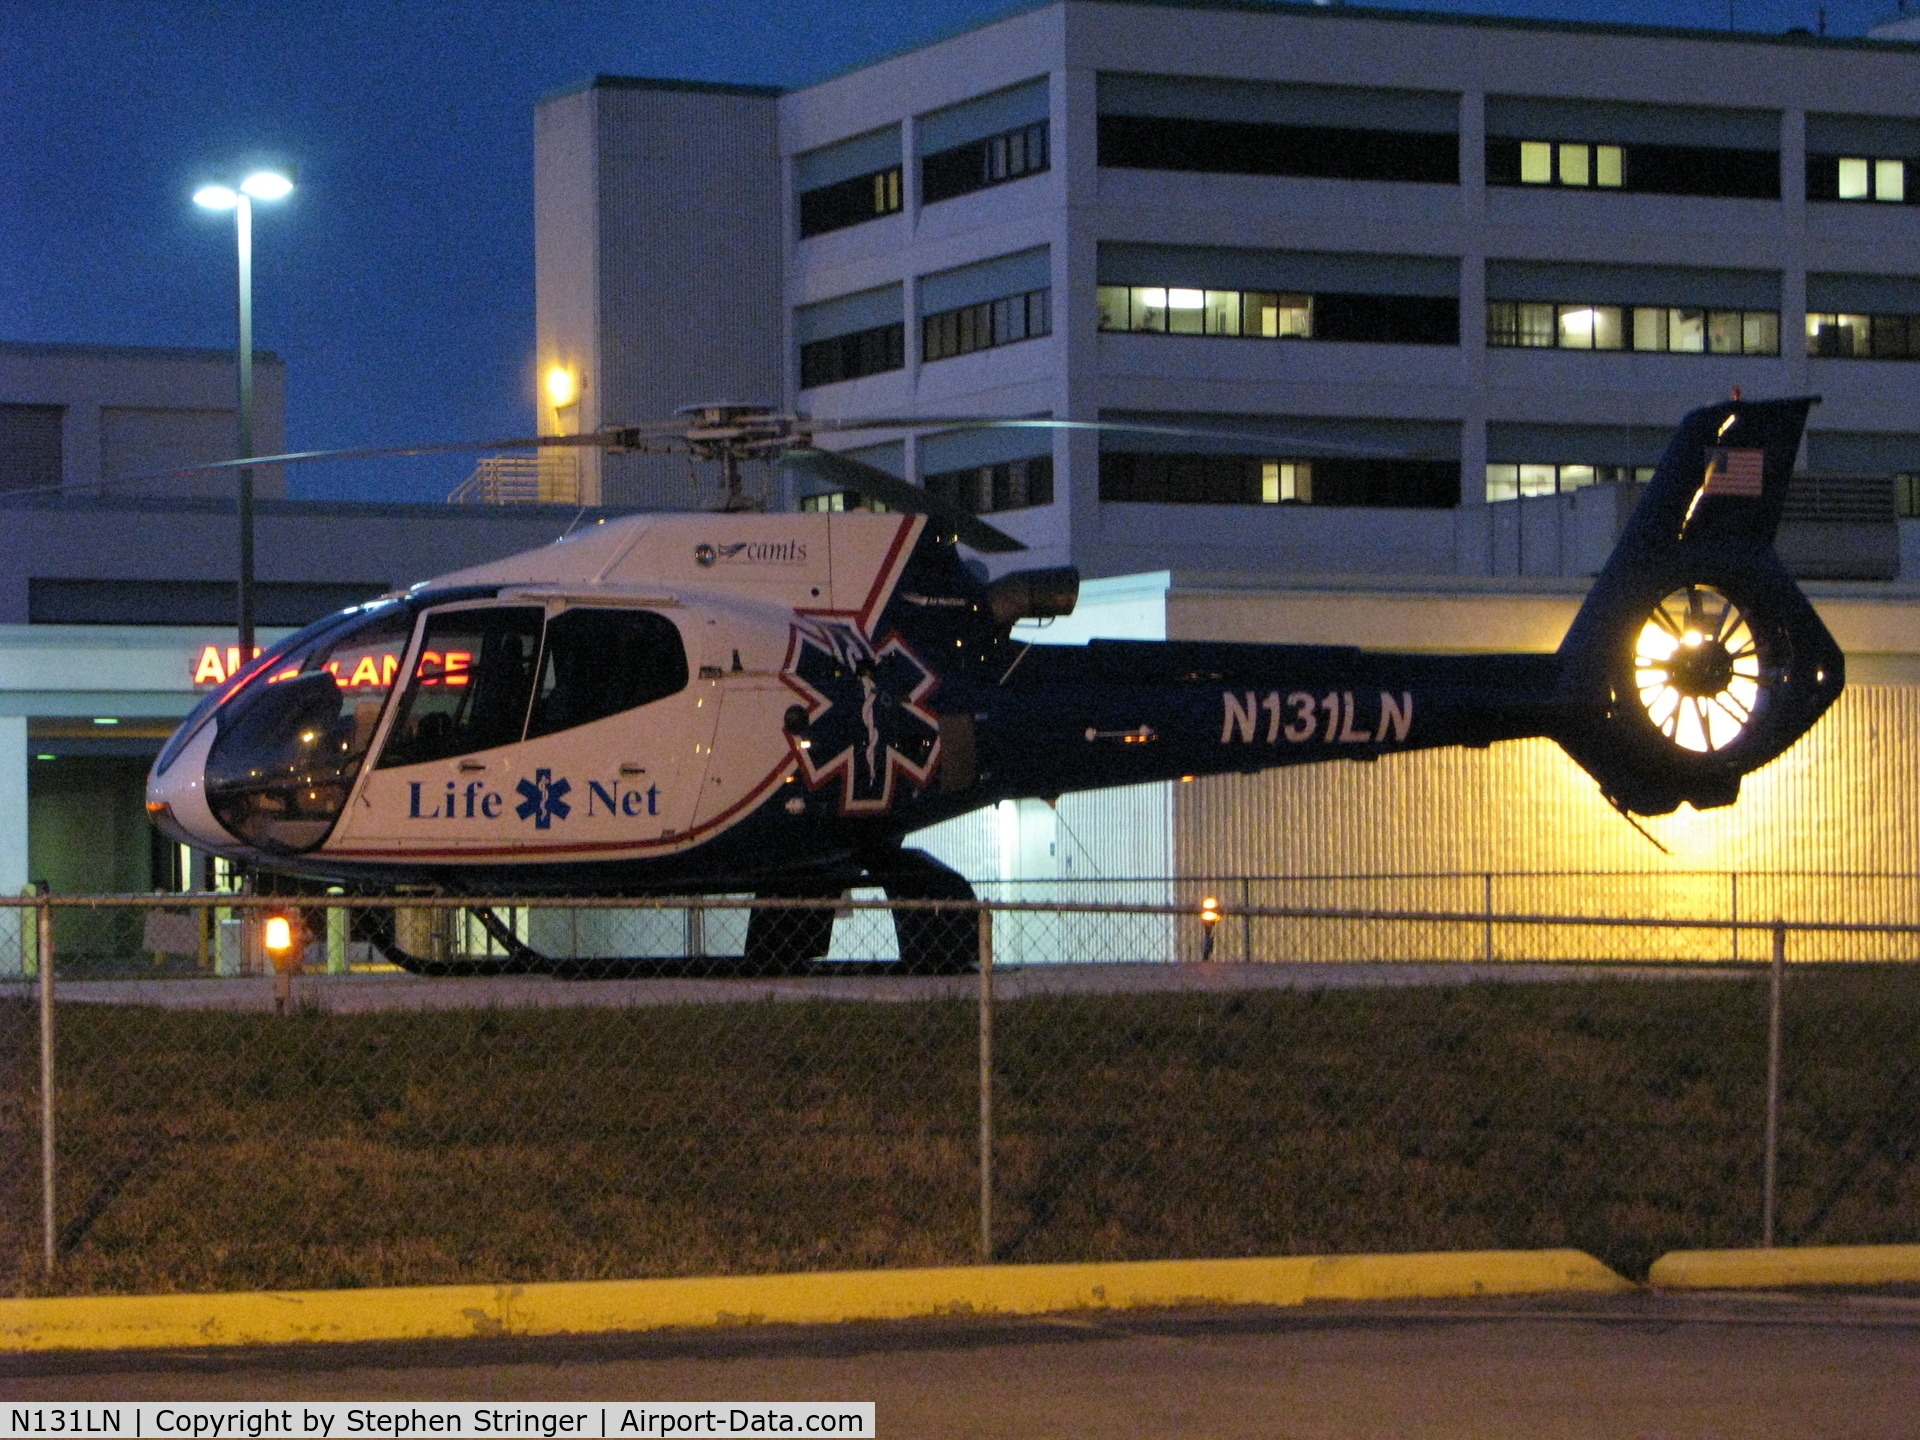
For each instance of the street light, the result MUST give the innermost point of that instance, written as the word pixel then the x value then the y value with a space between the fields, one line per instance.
pixel 259 185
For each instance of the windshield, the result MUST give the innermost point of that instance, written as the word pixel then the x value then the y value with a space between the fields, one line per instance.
pixel 299 641
pixel 290 746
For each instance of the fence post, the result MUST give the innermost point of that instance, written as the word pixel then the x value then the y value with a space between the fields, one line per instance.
pixel 1246 919
pixel 1487 901
pixel 1772 1163
pixel 337 935
pixel 44 921
pixel 1733 910
pixel 986 1085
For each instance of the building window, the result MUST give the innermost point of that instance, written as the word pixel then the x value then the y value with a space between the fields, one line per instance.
pixel 1644 169
pixel 1573 164
pixel 981 327
pixel 981 163
pixel 1863 337
pixel 848 357
pixel 984 489
pixel 30 446
pixel 850 202
pixel 1234 147
pixel 1906 496
pixel 1158 479
pixel 1527 324
pixel 1510 482
pixel 1860 177
pixel 835 502
pixel 1276 315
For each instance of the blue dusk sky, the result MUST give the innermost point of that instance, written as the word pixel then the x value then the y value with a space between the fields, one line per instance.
pixel 397 283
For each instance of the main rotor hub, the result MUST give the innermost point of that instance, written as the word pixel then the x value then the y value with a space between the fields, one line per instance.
pixel 722 428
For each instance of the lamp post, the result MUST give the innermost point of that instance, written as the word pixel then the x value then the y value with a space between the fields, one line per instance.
pixel 259 185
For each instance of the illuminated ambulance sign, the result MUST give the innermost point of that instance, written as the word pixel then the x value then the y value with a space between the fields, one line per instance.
pixel 215 665
pixel 369 671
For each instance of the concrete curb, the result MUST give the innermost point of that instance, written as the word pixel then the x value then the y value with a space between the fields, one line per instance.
pixel 1814 1265
pixel 111 1322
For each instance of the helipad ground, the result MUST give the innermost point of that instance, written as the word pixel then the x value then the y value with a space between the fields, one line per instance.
pixel 400 991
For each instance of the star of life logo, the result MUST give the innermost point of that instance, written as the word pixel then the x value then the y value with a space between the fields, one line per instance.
pixel 543 799
pixel 866 721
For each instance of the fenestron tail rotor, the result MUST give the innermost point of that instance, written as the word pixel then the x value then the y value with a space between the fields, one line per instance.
pixel 1699 669
pixel 1695 658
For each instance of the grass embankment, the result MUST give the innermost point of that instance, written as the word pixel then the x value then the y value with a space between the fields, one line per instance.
pixel 218 1151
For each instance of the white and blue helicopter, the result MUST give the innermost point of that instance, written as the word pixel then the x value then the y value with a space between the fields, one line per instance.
pixel 741 702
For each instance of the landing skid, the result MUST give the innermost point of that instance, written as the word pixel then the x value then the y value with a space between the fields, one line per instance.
pixel 792 940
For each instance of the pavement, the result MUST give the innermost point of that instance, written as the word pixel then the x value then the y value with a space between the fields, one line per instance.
pixel 1643 1364
pixel 398 990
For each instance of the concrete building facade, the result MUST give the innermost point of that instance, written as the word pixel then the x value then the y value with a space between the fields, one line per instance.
pixel 74 416
pixel 1403 263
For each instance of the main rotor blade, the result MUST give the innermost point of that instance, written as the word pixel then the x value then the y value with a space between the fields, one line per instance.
pixel 1267 438
pixel 898 494
pixel 299 457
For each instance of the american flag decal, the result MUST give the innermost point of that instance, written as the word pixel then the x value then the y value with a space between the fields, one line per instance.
pixel 1734 472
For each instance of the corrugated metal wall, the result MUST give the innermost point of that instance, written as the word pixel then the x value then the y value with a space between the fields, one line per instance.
pixel 1090 848
pixel 1425 831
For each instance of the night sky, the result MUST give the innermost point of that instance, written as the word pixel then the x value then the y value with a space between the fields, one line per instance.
pixel 397 282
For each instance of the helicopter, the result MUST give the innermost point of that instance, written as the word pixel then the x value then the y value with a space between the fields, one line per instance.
pixel 741 701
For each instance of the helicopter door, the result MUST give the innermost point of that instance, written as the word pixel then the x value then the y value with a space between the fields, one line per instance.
pixel 616 718
pixel 523 731
pixel 441 780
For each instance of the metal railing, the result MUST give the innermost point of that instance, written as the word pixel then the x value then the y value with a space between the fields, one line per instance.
pixel 549 478
pixel 254 1065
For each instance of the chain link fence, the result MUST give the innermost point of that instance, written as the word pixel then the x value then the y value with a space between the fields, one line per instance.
pixel 328 1091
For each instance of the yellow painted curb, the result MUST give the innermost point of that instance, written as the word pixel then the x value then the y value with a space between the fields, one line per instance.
pixel 1814 1265
pixel 440 1312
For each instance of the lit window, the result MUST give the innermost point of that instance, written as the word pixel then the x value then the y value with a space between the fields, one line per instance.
pixel 1364 318
pixel 1609 168
pixel 1284 482
pixel 1890 180
pixel 1512 482
pixel 1573 164
pixel 1149 307
pixel 1186 312
pixel 1687 331
pixel 1760 332
pixel 1223 312
pixel 1536 480
pixel 1536 162
pixel 1853 179
pixel 1649 328
pixel 1863 337
pixel 1277 317
pixel 1530 325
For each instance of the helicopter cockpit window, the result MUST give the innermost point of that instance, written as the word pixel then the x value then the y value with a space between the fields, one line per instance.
pixel 289 747
pixel 470 685
pixel 600 662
